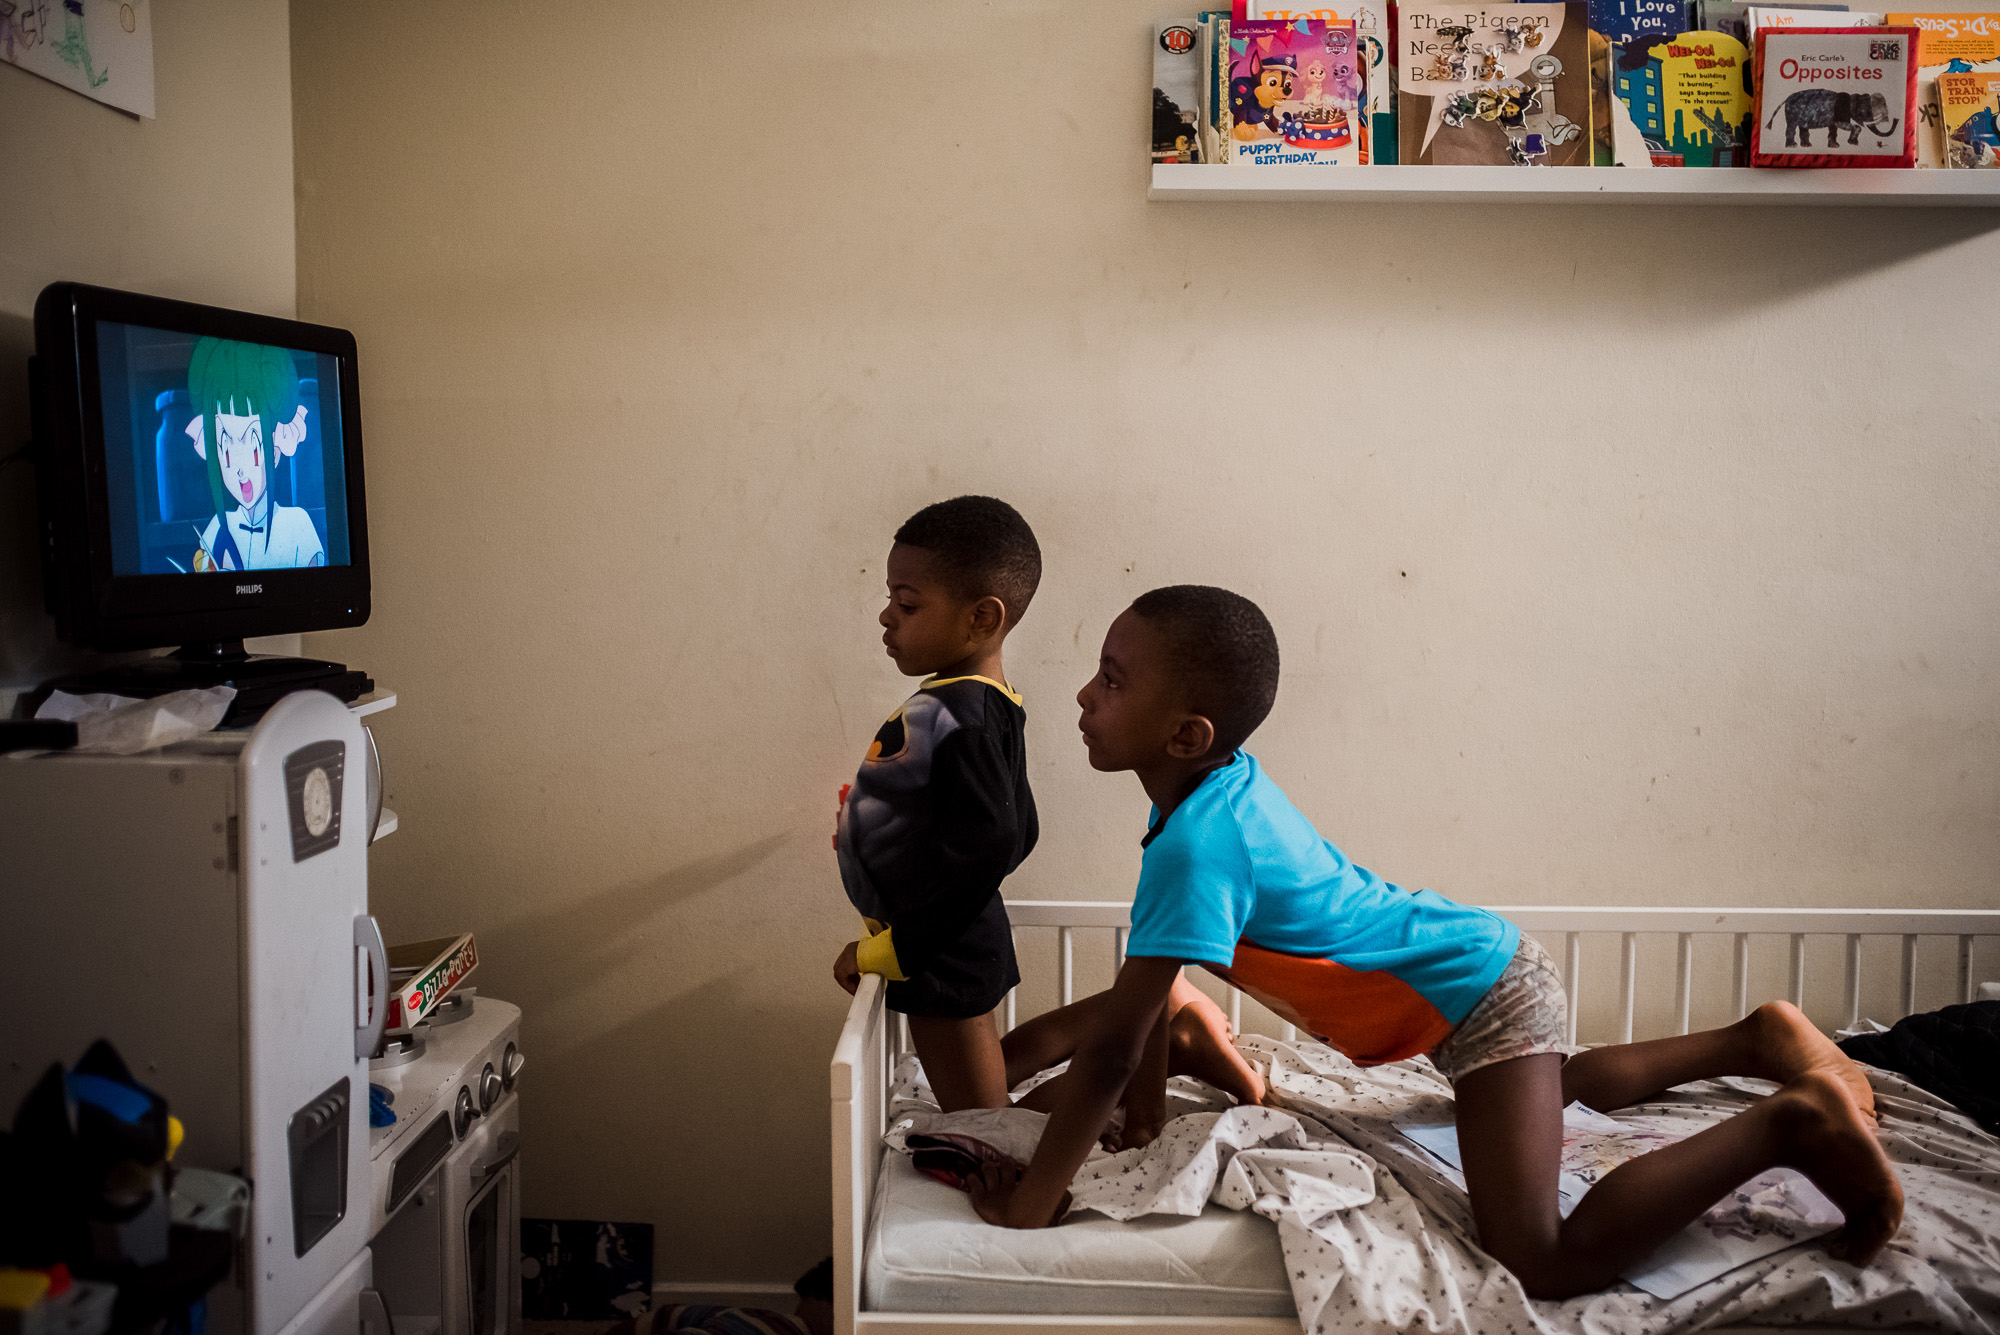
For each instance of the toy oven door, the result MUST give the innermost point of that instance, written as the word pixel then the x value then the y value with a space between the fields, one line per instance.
pixel 482 1207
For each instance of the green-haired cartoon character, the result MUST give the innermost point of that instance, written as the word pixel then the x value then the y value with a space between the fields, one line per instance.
pixel 247 414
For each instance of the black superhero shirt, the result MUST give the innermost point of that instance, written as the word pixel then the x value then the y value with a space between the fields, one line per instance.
pixel 937 816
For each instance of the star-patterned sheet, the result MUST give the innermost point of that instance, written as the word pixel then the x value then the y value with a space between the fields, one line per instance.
pixel 1376 1238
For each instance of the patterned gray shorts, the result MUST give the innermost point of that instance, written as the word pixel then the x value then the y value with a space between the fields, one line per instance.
pixel 1525 1012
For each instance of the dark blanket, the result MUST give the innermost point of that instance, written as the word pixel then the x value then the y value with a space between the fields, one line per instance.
pixel 1954 1053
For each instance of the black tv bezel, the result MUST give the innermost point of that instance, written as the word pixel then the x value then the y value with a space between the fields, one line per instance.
pixel 98 609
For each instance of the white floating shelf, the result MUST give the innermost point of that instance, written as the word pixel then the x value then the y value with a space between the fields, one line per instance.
pixel 1911 187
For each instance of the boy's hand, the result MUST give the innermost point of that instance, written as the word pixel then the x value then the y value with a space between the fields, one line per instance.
pixel 992 1195
pixel 847 969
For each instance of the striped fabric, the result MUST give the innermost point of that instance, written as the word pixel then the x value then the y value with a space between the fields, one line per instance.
pixel 711 1320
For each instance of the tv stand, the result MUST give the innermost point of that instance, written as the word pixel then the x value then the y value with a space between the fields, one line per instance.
pixel 261 680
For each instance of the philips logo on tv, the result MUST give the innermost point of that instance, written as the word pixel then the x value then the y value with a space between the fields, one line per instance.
pixel 249 588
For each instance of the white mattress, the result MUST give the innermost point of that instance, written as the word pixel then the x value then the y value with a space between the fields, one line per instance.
pixel 928 1252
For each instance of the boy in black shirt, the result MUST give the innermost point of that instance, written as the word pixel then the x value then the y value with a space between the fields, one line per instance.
pixel 940 811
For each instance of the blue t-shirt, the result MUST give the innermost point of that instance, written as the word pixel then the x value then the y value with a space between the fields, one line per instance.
pixel 1237 880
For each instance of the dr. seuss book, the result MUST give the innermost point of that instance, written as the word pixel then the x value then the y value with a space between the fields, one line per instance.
pixel 1947 43
pixel 1835 97
pixel 1627 107
pixel 1176 94
pixel 1969 103
pixel 1294 93
pixel 1493 84
pixel 1378 78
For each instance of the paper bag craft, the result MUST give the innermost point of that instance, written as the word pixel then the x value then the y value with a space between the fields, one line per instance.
pixel 1494 84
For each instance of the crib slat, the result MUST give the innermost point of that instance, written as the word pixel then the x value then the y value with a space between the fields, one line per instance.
pixel 1291 1032
pixel 1118 935
pixel 1067 965
pixel 1853 980
pixel 1909 975
pixel 902 1033
pixel 1740 977
pixel 1798 983
pixel 1628 978
pixel 1572 977
pixel 1009 1026
pixel 1965 970
pixel 1684 980
pixel 1235 1011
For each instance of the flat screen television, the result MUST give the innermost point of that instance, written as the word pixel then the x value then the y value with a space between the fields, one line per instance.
pixel 199 476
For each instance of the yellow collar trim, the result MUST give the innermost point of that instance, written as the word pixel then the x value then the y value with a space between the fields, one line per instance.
pixel 999 686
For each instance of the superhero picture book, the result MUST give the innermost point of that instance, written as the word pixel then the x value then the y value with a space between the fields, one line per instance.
pixel 1968 103
pixel 1689 98
pixel 1294 93
pixel 1947 44
pixel 1835 97
pixel 1493 84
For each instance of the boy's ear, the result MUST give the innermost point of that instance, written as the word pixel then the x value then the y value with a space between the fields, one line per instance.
pixel 1191 738
pixel 989 615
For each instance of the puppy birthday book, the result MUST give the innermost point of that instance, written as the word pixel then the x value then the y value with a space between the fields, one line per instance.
pixel 1294 93
pixel 1494 84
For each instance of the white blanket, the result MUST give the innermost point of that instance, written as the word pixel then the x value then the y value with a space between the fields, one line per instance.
pixel 1378 1238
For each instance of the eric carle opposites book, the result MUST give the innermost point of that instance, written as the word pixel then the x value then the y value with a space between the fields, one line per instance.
pixel 1294 93
pixel 1835 97
pixel 1494 84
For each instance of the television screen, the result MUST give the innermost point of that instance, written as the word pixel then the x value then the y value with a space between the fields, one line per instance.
pixel 220 454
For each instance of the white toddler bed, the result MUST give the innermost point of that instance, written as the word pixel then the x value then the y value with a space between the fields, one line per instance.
pixel 906 1243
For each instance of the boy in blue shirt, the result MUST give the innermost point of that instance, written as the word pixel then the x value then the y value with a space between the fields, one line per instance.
pixel 1235 879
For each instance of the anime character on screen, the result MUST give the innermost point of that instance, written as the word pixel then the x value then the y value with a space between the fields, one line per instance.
pixel 248 417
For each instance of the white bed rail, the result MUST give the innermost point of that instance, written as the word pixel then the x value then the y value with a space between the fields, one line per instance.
pixel 864 1057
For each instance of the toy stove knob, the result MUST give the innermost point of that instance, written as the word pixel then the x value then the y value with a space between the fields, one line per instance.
pixel 464 1112
pixel 510 1066
pixel 489 1088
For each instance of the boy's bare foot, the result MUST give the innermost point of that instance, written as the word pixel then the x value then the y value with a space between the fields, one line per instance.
pixel 1828 1140
pixel 1199 1044
pixel 1787 1046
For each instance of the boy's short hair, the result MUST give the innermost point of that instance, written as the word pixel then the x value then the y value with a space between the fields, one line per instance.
pixel 982 546
pixel 1222 647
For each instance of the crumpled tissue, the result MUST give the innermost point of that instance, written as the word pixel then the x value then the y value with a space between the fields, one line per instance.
pixel 116 725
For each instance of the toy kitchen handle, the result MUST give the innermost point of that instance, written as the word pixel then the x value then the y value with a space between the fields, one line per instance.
pixel 507 1149
pixel 371 986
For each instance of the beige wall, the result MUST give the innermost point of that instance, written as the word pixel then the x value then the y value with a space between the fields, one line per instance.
pixel 196 204
pixel 1617 555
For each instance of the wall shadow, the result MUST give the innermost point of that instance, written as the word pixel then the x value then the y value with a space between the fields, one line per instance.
pixel 575 940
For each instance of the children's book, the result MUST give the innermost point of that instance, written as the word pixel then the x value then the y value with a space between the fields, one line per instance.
pixel 1758 17
pixel 1969 103
pixel 1378 81
pixel 1835 97
pixel 1727 16
pixel 1496 84
pixel 1947 43
pixel 1700 115
pixel 1176 93
pixel 1294 93
pixel 1625 91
